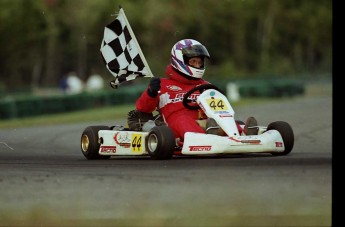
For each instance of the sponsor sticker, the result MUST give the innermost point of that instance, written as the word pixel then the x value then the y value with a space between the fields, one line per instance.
pixel 279 144
pixel 108 149
pixel 200 148
pixel 123 139
pixel 136 143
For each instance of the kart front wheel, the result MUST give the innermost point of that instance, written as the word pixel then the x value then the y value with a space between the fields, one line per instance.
pixel 160 142
pixel 89 142
pixel 287 134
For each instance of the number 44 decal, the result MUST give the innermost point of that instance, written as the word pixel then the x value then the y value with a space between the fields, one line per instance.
pixel 136 143
pixel 217 104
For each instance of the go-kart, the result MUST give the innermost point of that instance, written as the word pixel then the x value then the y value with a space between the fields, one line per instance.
pixel 150 136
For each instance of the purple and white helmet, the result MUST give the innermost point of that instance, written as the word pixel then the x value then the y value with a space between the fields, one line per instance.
pixel 185 49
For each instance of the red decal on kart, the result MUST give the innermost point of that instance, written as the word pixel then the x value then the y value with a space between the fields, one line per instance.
pixel 251 141
pixel 279 144
pixel 246 141
pixel 108 149
pixel 125 145
pixel 222 116
pixel 200 148
pixel 232 138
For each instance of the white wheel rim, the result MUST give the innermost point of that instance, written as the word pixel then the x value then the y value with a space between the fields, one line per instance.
pixel 152 142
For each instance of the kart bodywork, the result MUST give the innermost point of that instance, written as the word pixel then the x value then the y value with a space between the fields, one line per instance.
pixel 158 141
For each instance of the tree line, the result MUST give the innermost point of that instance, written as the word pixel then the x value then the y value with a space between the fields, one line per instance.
pixel 41 40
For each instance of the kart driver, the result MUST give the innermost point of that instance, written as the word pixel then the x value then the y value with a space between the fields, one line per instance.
pixel 185 72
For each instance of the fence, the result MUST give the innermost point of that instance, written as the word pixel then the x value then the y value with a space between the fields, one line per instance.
pixel 11 108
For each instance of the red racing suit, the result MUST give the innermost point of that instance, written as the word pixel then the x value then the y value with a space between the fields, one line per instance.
pixel 169 103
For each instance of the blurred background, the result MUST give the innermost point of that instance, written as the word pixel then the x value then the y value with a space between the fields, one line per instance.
pixel 50 48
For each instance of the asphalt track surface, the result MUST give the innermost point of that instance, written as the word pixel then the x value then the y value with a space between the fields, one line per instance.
pixel 46 181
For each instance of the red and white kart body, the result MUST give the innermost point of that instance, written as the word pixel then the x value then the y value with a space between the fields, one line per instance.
pixel 102 142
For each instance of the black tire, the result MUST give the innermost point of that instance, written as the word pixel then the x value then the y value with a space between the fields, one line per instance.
pixel 89 143
pixel 160 142
pixel 287 134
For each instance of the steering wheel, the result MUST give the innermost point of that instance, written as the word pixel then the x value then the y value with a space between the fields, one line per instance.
pixel 201 88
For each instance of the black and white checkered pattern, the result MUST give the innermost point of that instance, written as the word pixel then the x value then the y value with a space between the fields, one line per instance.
pixel 120 52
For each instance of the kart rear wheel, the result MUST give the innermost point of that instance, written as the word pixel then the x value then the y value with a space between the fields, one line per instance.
pixel 89 142
pixel 287 134
pixel 160 142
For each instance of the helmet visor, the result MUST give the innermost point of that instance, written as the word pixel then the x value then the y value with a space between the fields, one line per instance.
pixel 194 51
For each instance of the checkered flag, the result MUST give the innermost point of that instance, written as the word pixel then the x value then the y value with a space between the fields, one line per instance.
pixel 121 52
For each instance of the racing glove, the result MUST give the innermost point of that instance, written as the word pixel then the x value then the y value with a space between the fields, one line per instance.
pixel 154 86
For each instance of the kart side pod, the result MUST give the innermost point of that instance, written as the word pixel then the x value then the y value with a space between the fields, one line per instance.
pixel 159 142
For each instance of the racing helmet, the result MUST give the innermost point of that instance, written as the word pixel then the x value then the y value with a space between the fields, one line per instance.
pixel 185 49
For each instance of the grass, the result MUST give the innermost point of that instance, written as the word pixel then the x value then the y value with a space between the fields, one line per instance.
pixel 235 220
pixel 98 114
pixel 104 113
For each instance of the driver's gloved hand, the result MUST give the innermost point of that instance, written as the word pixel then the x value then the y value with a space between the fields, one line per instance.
pixel 154 87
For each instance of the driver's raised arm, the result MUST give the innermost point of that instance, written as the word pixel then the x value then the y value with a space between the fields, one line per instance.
pixel 148 101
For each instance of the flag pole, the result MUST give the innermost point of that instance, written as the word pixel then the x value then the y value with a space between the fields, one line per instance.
pixel 135 39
